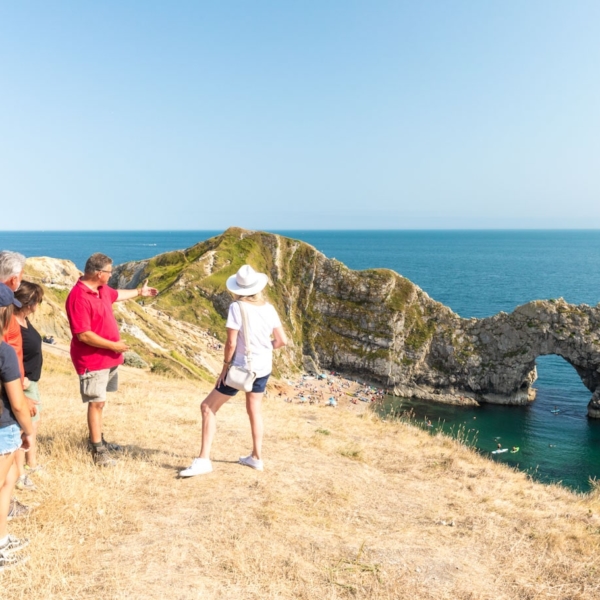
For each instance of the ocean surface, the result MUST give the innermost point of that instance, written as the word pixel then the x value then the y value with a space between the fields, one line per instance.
pixel 477 274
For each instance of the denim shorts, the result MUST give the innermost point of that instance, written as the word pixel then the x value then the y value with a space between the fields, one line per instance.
pixel 260 384
pixel 10 439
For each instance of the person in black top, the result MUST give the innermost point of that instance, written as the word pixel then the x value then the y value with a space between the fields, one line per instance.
pixel 30 295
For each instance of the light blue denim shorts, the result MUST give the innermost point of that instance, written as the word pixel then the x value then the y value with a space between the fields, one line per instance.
pixel 10 439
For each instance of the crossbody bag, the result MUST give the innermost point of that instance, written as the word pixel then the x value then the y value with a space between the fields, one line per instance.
pixel 240 378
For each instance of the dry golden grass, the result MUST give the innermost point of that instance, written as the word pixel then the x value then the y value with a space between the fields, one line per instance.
pixel 348 507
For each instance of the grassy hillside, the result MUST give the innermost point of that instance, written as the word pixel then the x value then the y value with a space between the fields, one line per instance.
pixel 348 319
pixel 348 507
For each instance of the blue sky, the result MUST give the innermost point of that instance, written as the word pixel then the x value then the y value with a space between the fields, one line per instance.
pixel 291 115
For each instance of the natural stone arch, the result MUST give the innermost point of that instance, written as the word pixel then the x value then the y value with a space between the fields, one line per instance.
pixel 542 328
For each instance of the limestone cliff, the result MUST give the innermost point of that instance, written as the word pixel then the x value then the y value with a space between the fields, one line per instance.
pixel 375 323
pixel 57 277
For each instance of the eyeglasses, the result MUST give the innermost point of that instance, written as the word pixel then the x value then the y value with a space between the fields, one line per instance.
pixel 103 271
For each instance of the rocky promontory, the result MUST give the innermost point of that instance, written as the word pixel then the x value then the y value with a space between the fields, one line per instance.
pixel 375 323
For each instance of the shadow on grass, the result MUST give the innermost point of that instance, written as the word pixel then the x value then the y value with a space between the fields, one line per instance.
pixel 76 443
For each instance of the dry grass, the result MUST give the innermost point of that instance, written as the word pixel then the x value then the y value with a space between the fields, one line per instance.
pixel 349 507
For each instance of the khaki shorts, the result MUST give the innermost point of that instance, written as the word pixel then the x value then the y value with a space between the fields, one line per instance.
pixel 33 393
pixel 93 385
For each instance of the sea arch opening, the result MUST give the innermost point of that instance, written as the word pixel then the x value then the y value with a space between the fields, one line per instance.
pixel 560 385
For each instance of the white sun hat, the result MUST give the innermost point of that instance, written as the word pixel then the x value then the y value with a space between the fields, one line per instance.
pixel 247 282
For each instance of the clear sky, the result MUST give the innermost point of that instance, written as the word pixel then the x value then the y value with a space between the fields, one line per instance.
pixel 299 114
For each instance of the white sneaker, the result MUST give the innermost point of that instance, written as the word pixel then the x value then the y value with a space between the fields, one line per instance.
pixel 200 466
pixel 251 462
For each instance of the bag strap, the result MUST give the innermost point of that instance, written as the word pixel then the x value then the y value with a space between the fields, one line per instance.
pixel 246 334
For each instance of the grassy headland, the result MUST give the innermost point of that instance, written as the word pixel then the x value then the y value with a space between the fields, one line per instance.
pixel 349 506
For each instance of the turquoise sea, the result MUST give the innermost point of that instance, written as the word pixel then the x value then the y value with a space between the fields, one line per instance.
pixel 477 274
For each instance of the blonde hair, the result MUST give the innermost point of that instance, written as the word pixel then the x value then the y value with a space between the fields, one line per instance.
pixel 6 313
pixel 258 297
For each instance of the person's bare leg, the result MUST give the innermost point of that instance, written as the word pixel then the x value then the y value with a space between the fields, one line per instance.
pixel 20 462
pixel 254 410
pixel 209 409
pixel 94 417
pixel 8 478
pixel 31 454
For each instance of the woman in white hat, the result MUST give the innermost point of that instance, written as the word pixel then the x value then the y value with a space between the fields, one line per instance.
pixel 266 334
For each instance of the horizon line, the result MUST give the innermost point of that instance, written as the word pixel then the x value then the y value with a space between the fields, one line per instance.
pixel 276 230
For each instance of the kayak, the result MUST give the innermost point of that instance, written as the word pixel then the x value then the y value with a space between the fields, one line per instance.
pixel 500 451
pixel 515 450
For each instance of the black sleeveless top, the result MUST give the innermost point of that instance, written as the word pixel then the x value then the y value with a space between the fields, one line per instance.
pixel 32 352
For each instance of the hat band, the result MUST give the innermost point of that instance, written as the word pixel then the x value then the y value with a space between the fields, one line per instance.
pixel 249 285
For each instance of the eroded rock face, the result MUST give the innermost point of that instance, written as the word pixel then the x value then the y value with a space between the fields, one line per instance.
pixel 57 277
pixel 53 271
pixel 377 323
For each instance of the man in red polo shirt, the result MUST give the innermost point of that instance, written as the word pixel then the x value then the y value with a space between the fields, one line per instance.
pixel 96 346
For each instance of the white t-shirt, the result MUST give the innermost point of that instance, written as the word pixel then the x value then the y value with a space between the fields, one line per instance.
pixel 261 322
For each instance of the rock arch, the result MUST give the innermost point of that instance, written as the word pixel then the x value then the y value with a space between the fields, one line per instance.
pixel 542 328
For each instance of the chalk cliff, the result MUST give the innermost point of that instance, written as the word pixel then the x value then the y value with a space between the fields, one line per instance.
pixel 375 323
pixel 57 277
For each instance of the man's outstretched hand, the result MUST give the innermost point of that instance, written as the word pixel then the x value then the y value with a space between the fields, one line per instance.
pixel 147 291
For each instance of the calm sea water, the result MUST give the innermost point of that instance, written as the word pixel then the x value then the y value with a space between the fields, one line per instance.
pixel 477 274
pixel 121 246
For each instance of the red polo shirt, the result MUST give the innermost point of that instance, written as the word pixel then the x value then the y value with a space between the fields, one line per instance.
pixel 92 311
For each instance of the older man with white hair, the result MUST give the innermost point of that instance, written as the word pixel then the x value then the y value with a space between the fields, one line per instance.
pixel 11 273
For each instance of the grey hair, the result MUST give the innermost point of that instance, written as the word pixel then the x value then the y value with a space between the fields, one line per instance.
pixel 11 263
